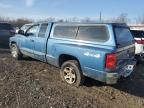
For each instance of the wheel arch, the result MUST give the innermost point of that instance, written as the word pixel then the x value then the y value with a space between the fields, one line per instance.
pixel 65 57
pixel 12 42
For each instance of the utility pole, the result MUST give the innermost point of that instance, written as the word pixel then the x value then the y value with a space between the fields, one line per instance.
pixel 100 17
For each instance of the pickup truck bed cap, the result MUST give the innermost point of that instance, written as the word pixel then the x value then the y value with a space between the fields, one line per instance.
pixel 74 23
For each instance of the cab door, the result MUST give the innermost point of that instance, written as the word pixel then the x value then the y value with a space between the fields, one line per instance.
pixel 41 42
pixel 30 37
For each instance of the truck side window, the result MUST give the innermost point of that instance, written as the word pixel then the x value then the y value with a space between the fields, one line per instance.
pixel 93 33
pixel 43 30
pixel 68 32
pixel 33 30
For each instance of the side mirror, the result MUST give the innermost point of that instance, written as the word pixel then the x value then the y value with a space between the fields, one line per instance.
pixel 17 30
pixel 21 32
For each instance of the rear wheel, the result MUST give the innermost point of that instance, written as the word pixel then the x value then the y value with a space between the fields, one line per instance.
pixel 15 52
pixel 71 73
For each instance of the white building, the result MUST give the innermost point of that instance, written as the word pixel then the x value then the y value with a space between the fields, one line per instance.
pixel 136 26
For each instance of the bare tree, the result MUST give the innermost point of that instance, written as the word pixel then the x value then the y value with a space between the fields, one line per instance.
pixel 72 19
pixel 21 21
pixel 86 20
pixel 122 18
pixel 61 20
pixel 140 20
pixel 15 22
pixel 51 19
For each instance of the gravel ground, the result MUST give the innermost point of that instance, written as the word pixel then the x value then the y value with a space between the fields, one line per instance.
pixel 32 84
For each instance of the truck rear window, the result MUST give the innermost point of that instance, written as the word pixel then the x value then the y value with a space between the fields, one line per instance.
pixel 5 26
pixel 123 35
pixel 93 33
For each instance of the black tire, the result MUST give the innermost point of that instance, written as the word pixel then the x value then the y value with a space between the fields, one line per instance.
pixel 74 68
pixel 139 59
pixel 15 52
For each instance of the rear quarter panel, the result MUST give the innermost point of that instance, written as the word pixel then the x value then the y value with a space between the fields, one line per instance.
pixel 91 55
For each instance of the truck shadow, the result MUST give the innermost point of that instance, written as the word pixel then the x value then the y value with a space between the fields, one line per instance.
pixel 25 58
pixel 133 85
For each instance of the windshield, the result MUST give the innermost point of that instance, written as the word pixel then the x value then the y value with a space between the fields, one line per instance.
pixel 123 35
pixel 25 27
pixel 4 26
pixel 137 34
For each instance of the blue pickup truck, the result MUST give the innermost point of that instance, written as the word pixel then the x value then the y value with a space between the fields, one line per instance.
pixel 104 52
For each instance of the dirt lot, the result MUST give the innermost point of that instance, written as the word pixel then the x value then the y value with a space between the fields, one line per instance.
pixel 32 84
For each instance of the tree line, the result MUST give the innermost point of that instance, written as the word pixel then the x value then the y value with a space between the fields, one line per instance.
pixel 122 18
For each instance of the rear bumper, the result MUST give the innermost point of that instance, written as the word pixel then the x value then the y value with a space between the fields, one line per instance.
pixel 112 78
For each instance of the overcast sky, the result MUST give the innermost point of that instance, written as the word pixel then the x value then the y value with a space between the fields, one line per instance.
pixel 39 9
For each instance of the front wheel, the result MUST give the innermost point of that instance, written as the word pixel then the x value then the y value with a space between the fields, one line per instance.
pixel 71 73
pixel 15 52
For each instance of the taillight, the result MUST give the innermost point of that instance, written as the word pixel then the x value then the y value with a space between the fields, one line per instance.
pixel 111 61
pixel 140 41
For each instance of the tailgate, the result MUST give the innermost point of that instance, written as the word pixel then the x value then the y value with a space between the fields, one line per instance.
pixel 126 60
pixel 125 47
pixel 125 54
